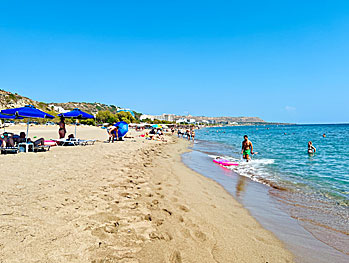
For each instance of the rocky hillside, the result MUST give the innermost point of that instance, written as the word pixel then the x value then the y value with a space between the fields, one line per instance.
pixel 14 100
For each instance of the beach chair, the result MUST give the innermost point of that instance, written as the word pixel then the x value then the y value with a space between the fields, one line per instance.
pixel 41 148
pixel 75 142
pixel 6 150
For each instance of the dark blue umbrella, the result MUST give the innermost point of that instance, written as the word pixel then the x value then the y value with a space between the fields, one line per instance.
pixel 29 111
pixel 77 114
pixel 122 128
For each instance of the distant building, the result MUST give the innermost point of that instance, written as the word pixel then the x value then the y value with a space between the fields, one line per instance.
pixel 163 117
pixel 192 121
pixel 182 120
pixel 168 117
pixel 58 108
pixel 145 116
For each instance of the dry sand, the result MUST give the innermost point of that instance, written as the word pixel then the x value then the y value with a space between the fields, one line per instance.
pixel 131 201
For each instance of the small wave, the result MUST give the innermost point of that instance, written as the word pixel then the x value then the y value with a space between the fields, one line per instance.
pixel 254 169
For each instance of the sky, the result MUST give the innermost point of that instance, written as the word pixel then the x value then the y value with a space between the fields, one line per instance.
pixel 283 61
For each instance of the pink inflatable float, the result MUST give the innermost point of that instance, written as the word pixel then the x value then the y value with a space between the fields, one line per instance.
pixel 224 162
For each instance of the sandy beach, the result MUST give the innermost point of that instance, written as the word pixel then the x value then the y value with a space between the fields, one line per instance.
pixel 130 201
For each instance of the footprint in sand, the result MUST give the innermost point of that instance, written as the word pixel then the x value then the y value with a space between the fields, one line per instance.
pixel 184 208
pixel 200 235
pixel 167 211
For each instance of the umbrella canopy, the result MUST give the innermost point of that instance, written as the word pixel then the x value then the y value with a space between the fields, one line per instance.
pixel 77 114
pixel 3 116
pixel 157 126
pixel 29 111
pixel 122 128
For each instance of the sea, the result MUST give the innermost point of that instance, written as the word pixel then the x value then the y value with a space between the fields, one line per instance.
pixel 302 198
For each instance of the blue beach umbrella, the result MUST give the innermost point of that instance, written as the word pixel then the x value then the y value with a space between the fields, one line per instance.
pixel 29 111
pixel 122 128
pixel 157 126
pixel 77 114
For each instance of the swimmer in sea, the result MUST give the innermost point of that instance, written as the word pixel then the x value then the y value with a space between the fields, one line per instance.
pixel 311 148
pixel 247 148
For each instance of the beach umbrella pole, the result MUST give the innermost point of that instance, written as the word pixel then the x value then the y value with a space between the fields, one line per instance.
pixel 75 128
pixel 26 137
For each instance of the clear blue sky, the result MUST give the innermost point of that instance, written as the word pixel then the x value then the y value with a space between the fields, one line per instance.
pixel 280 60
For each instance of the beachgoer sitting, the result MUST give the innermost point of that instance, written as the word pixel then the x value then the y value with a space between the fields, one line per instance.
pixel 311 148
pixel 8 139
pixel 38 142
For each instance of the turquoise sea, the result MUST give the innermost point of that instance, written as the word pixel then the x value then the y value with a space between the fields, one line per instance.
pixel 313 189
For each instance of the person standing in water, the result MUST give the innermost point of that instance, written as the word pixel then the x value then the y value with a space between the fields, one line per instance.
pixel 62 131
pixel 247 148
pixel 193 134
pixel 311 148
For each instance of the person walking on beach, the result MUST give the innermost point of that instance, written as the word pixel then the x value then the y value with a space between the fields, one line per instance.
pixel 62 131
pixel 187 133
pixel 247 148
pixel 311 148
pixel 193 134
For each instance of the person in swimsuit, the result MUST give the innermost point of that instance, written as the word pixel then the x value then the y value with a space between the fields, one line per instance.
pixel 62 131
pixel 113 132
pixel 247 148
pixel 187 133
pixel 193 134
pixel 311 148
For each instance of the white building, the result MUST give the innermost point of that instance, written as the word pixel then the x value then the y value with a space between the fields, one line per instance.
pixel 163 117
pixel 182 120
pixel 168 117
pixel 58 108
pixel 145 116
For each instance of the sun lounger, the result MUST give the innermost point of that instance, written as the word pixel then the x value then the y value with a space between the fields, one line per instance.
pixel 75 142
pixel 6 150
pixel 41 148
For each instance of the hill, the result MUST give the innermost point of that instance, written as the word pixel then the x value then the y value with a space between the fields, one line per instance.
pixel 14 100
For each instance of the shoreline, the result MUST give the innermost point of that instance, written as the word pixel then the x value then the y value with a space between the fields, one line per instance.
pixel 225 229
pixel 259 200
pixel 131 201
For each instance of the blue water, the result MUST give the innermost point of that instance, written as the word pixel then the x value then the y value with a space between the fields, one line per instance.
pixel 282 156
pixel 314 188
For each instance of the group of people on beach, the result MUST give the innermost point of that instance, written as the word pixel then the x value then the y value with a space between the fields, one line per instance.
pixel 189 133
pixel 8 139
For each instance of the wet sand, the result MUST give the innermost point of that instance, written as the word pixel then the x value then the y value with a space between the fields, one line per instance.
pixel 131 201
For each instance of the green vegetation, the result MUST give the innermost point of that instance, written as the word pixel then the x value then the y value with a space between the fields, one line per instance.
pixel 109 117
